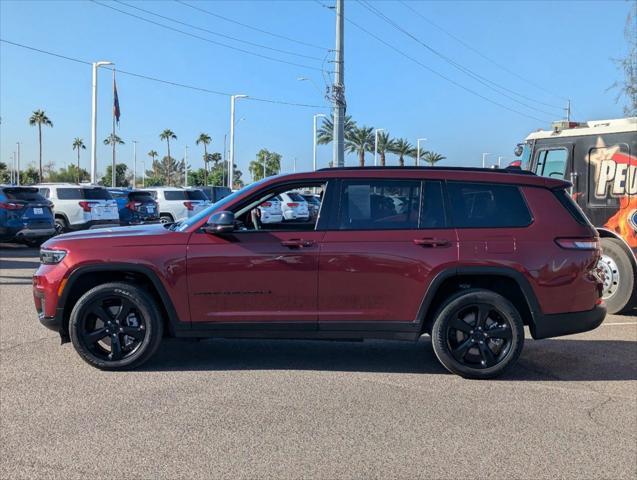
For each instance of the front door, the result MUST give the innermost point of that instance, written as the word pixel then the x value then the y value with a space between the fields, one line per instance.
pixel 389 239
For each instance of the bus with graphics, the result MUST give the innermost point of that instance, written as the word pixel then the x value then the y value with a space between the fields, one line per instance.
pixel 600 159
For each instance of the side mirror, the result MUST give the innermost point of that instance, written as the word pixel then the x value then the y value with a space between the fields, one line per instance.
pixel 518 150
pixel 220 222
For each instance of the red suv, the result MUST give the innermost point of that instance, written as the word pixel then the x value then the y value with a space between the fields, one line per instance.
pixel 468 256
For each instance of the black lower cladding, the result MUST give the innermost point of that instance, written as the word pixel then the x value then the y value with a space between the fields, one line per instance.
pixel 547 326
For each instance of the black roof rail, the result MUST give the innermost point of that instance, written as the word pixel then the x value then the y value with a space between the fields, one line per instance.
pixel 510 170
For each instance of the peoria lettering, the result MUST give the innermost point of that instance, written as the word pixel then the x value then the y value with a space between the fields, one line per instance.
pixel 617 173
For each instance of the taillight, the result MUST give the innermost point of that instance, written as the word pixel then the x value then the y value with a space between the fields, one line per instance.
pixel 293 205
pixel 189 205
pixel 578 243
pixel 266 204
pixel 10 206
pixel 133 205
pixel 86 206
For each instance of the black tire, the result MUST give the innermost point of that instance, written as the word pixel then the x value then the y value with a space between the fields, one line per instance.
pixel 477 349
pixel 144 338
pixel 619 286
pixel 166 218
pixel 60 226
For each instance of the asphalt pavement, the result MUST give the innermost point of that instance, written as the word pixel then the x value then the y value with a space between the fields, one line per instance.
pixel 300 409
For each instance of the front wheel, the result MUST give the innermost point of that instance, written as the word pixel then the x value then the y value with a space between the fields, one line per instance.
pixel 619 277
pixel 477 334
pixel 60 226
pixel 115 326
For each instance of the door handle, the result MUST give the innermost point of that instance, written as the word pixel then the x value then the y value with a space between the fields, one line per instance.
pixel 297 243
pixel 431 242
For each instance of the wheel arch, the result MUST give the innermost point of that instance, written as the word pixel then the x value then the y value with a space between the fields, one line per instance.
pixel 506 281
pixel 605 233
pixel 86 277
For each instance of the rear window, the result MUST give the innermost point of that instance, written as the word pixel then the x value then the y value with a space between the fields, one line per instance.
pixel 24 194
pixel 118 194
pixel 79 193
pixel 569 204
pixel 296 197
pixel 140 196
pixel 482 205
pixel 196 195
pixel 174 194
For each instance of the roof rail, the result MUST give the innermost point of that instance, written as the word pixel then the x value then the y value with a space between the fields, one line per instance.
pixel 513 170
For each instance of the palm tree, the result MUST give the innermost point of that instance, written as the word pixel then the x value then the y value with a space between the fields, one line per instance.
pixel 153 154
pixel 326 131
pixel 205 139
pixel 78 144
pixel 403 148
pixel 39 118
pixel 385 144
pixel 113 139
pixel 432 158
pixel 168 135
pixel 360 140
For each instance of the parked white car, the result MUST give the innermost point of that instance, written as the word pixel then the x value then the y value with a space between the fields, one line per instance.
pixel 176 203
pixel 270 211
pixel 78 207
pixel 293 206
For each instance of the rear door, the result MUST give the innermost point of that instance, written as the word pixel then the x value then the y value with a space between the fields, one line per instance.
pixel 387 241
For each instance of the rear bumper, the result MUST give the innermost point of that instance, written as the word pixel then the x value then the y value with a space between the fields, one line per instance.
pixel 35 233
pixel 94 224
pixel 149 221
pixel 547 326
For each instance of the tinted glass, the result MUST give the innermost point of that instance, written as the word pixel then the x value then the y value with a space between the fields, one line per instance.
pixel 379 205
pixel 96 194
pixel 552 163
pixel 44 192
pixel 568 203
pixel 487 205
pixel 24 194
pixel 195 195
pixel 432 213
pixel 295 197
pixel 175 195
pixel 118 194
pixel 79 193
pixel 144 197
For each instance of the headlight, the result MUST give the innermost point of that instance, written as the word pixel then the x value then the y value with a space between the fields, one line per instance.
pixel 51 257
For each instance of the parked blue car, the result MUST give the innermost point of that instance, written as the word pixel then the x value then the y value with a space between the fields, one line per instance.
pixel 135 207
pixel 25 216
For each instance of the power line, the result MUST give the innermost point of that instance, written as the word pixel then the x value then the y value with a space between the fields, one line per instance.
pixel 259 45
pixel 483 80
pixel 256 29
pixel 231 47
pixel 444 77
pixel 159 80
pixel 489 59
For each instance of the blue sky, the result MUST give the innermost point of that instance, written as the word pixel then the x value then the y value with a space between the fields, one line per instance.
pixel 565 48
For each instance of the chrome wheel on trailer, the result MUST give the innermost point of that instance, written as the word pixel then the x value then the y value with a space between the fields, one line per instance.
pixel 609 268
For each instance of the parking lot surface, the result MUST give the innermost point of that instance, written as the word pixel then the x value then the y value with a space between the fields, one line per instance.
pixel 292 409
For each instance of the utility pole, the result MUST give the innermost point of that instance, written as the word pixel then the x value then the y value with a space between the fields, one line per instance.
pixel 376 144
pixel 134 163
pixel 484 159
pixel 186 167
pixel 338 89
pixel 223 170
pixel 18 165
pixel 96 65
pixel 113 176
pixel 233 98
pixel 318 115
pixel 418 149
pixel 568 111
pixel 294 165
pixel 500 161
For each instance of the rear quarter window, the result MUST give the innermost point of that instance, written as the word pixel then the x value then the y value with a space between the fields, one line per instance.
pixel 485 205
pixel 174 195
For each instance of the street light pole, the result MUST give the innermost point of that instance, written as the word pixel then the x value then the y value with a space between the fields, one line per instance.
pixel 317 115
pixel 233 98
pixel 134 163
pixel 484 159
pixel 96 65
pixel 18 165
pixel 186 167
pixel 338 89
pixel 144 174
pixel 376 144
pixel 418 150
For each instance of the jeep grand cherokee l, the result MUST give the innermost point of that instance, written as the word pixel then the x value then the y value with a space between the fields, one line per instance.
pixel 468 256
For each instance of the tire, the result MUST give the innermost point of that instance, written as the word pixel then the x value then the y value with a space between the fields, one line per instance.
pixel 93 338
pixel 60 226
pixel 462 344
pixel 619 285
pixel 166 218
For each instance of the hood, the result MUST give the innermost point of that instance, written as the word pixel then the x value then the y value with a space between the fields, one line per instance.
pixel 153 234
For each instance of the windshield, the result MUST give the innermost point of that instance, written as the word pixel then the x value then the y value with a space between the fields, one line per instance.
pixel 184 224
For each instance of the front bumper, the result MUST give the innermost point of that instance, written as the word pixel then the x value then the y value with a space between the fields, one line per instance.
pixel 547 326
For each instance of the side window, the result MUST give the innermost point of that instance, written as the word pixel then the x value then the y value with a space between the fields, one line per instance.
pixel 552 163
pixel 379 205
pixel 175 195
pixel 432 212
pixel 483 205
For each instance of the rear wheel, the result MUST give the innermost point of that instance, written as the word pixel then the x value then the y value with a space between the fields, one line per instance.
pixel 60 225
pixel 115 326
pixel 477 334
pixel 619 277
pixel 166 218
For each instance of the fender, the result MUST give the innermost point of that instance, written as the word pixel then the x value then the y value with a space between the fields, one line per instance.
pixel 173 321
pixel 519 278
